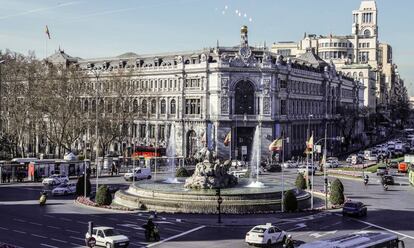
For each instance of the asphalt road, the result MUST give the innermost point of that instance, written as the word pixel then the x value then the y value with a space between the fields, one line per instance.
pixel 61 223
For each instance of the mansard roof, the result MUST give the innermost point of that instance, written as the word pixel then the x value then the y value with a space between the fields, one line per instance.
pixel 312 58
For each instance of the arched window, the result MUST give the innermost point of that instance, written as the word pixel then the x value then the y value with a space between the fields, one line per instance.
pixel 361 75
pixel 153 106
pixel 367 33
pixel 191 143
pixel 93 106
pixel 162 106
pixel 144 106
pixel 244 98
pixel 135 106
pixel 172 107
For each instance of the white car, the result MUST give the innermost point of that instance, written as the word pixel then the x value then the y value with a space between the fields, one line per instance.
pixel 265 235
pixel 55 180
pixel 139 173
pixel 108 237
pixel 64 189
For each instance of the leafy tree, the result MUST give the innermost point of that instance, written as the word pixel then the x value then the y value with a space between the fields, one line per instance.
pixel 290 201
pixel 337 192
pixel 80 186
pixel 103 196
pixel 300 182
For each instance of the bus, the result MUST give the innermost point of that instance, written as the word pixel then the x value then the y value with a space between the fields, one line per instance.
pixel 363 239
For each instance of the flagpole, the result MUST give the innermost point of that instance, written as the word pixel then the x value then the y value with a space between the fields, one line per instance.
pixel 312 174
pixel 283 176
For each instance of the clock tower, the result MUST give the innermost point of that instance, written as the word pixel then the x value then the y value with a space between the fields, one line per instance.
pixel 245 51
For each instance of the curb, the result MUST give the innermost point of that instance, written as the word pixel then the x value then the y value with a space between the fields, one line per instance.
pixel 105 209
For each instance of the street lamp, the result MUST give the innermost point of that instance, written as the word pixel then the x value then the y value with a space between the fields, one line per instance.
pixel 325 178
pixel 283 173
pixel 1 96
pixel 96 74
pixel 307 153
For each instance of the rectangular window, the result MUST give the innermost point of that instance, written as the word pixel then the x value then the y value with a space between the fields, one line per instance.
pixel 283 84
pixel 161 132
pixel 192 106
pixel 283 107
pixel 152 131
pixel 142 131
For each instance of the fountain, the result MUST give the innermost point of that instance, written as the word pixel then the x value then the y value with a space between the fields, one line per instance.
pixel 198 194
pixel 255 161
pixel 171 155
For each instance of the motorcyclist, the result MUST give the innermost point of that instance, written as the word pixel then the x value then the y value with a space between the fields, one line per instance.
pixel 288 242
pixel 149 228
pixel 366 179
pixel 43 198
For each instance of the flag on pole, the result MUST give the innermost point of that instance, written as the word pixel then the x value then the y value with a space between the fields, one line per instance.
pixel 47 32
pixel 309 143
pixel 276 145
pixel 227 140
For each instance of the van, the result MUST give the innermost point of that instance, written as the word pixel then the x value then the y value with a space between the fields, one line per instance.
pixel 139 173
pixel 402 167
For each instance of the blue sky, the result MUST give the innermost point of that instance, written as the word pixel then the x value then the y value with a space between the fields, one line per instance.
pixel 92 28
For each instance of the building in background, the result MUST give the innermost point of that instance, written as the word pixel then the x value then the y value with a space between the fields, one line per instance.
pixel 359 55
pixel 205 95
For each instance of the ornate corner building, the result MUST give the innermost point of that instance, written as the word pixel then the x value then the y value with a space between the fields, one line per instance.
pixel 210 93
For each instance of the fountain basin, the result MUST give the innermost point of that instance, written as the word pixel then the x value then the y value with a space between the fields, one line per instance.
pixel 174 198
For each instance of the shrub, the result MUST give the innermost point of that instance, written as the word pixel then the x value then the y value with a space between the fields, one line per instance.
pixel 290 201
pixel 103 196
pixel 182 172
pixel 80 186
pixel 300 182
pixel 337 192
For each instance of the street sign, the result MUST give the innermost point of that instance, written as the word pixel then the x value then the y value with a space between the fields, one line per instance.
pixel 318 149
pixel 91 242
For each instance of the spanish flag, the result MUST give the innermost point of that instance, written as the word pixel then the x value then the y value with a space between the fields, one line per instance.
pixel 47 32
pixel 276 145
pixel 227 140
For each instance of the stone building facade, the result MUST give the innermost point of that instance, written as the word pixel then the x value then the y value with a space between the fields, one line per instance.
pixel 359 55
pixel 209 93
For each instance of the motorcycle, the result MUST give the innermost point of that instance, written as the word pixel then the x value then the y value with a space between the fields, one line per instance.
pixel 365 181
pixel 43 198
pixel 152 234
pixel 385 187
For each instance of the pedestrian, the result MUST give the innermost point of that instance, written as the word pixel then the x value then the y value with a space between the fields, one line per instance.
pixel 3 177
pixel 8 177
pixel 93 171
pixel 78 171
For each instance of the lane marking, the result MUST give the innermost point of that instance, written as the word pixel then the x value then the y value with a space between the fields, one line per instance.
pixel 76 238
pixel 172 229
pixel 383 228
pixel 19 231
pixel 3 228
pixel 51 246
pixel 34 223
pixel 49 216
pixel 77 245
pixel 54 227
pixel 298 226
pixel 65 219
pixel 71 231
pixel 59 240
pixel 82 222
pixel 176 236
pixel 19 220
pixel 39 236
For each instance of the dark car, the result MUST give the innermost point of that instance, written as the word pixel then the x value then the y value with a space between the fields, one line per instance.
pixel 354 208
pixel 387 179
